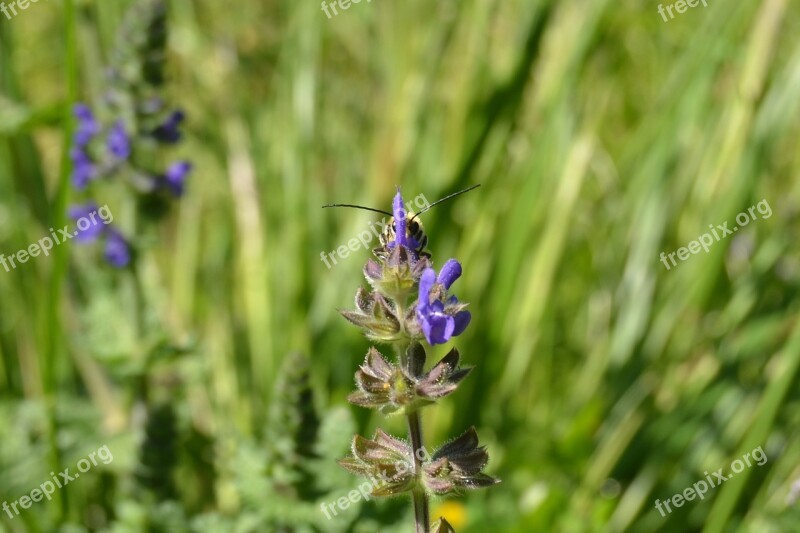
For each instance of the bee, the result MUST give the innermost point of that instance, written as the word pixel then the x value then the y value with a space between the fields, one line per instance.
pixel 414 230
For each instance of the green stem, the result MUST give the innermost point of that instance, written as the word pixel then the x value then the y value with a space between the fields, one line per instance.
pixel 418 495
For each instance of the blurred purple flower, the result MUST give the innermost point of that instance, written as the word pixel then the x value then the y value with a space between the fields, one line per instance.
pixel 118 142
pixel 175 177
pixel 88 126
pixel 169 131
pixel 91 227
pixel 117 252
pixel 94 227
pixel 83 168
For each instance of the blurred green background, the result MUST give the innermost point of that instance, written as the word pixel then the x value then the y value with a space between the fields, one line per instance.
pixel 602 136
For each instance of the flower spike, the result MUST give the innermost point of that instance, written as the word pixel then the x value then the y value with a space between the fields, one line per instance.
pixel 408 304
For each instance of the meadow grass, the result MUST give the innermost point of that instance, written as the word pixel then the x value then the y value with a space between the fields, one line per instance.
pixel 601 137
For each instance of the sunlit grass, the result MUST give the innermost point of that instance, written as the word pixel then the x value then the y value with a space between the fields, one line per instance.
pixel 601 136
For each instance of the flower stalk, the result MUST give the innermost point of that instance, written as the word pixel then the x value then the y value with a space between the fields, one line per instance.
pixel 124 138
pixel 408 359
pixel 403 273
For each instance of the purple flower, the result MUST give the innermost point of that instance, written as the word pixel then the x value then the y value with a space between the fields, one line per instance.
pixel 440 320
pixel 87 125
pixel 89 228
pixel 400 225
pixel 117 252
pixel 83 169
pixel 168 132
pixel 450 272
pixel 399 213
pixel 118 142
pixel 175 177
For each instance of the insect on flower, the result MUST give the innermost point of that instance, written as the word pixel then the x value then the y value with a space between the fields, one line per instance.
pixel 415 238
pixel 404 273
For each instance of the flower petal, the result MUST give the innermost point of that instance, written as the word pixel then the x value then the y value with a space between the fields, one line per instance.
pixel 438 328
pixel 450 272
pixel 426 282
pixel 399 212
pixel 462 321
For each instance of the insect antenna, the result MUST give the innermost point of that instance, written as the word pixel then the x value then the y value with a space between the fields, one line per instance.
pixel 439 201
pixel 358 207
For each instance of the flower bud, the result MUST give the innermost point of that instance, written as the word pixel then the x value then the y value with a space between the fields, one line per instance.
pixel 458 465
pixel 442 526
pixel 394 390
